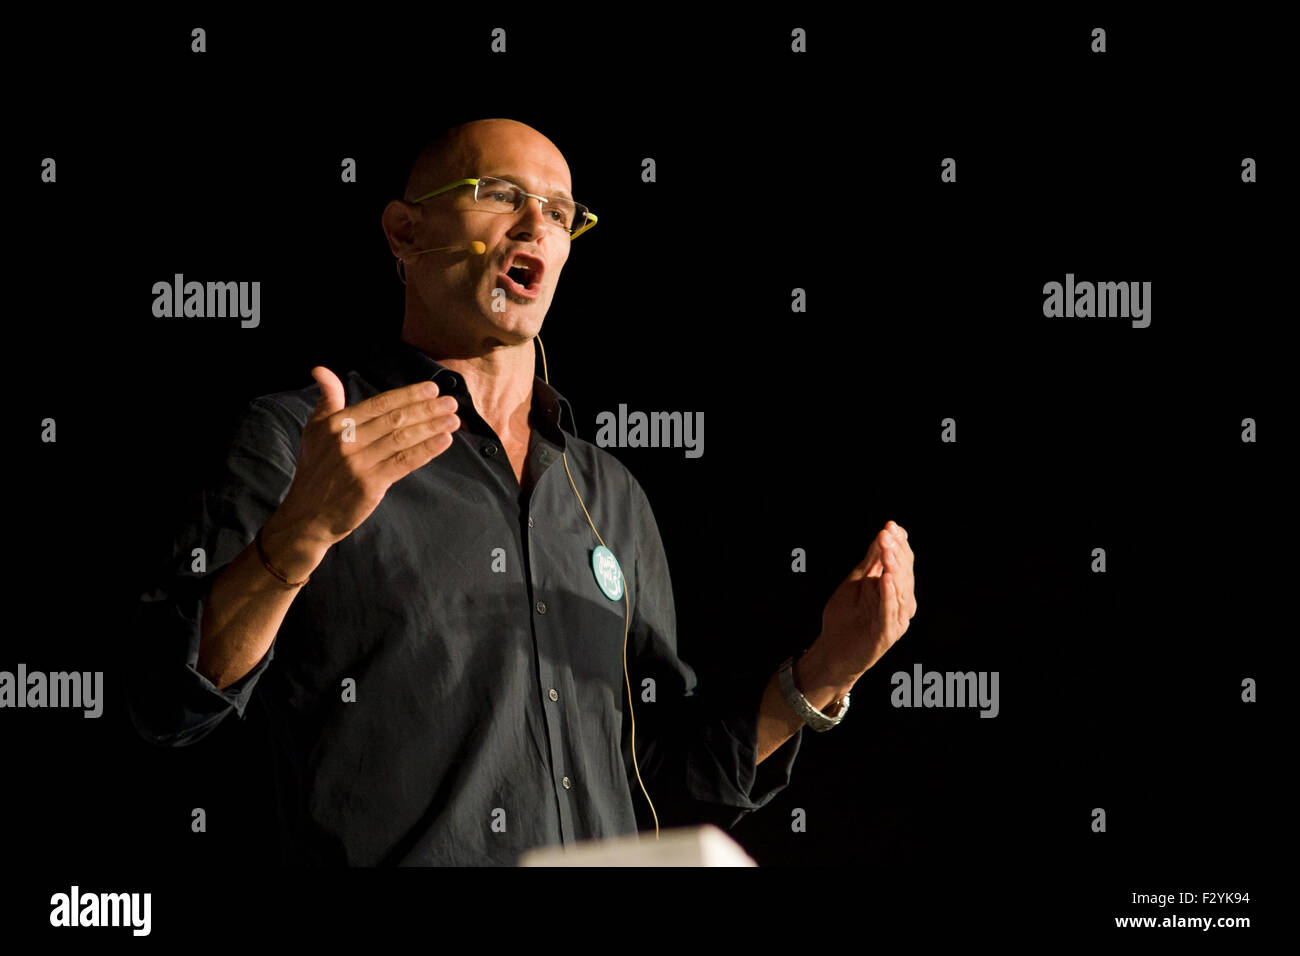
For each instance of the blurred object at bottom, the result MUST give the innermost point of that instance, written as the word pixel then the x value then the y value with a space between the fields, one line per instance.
pixel 687 846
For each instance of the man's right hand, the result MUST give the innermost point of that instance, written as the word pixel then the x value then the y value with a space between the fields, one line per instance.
pixel 338 484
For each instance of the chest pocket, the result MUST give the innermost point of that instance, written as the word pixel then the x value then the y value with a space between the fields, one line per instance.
pixel 592 624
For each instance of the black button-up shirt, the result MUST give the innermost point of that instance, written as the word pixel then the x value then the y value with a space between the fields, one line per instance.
pixel 490 711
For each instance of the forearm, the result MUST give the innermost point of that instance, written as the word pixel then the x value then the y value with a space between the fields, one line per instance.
pixel 247 604
pixel 777 722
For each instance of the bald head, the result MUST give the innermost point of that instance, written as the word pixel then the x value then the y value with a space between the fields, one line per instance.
pixel 455 299
pixel 467 149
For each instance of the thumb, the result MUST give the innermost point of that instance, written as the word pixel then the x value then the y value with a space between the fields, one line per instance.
pixel 872 565
pixel 331 392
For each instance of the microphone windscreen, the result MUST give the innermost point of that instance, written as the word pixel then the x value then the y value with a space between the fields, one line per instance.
pixel 477 248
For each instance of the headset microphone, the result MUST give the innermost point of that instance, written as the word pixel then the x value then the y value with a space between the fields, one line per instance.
pixel 476 247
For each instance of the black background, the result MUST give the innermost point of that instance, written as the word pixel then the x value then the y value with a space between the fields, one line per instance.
pixel 821 171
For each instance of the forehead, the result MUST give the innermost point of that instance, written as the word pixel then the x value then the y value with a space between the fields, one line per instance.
pixel 520 155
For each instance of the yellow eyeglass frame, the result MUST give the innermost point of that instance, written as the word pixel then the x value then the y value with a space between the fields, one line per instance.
pixel 591 216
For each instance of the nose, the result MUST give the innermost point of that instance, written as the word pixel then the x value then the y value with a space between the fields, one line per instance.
pixel 532 218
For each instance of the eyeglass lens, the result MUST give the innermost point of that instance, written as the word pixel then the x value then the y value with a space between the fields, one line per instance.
pixel 501 196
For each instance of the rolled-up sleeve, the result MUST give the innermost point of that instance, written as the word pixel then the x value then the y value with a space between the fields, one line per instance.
pixel 171 703
pixel 696 750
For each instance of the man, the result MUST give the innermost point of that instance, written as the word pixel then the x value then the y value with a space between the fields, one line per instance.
pixel 413 547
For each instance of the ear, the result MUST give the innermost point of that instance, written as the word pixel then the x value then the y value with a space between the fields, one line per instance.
pixel 398 221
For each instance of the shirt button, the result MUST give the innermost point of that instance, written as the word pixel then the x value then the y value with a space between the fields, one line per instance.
pixel 566 783
pixel 554 695
pixel 541 607
pixel 490 450
pixel 530 521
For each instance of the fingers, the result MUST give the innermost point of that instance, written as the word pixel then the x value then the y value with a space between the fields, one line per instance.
pixel 419 425
pixel 385 402
pixel 870 566
pixel 394 432
pixel 899 534
pixel 898 562
pixel 406 460
pixel 404 426
pixel 889 598
pixel 894 532
pixel 397 419
pixel 894 572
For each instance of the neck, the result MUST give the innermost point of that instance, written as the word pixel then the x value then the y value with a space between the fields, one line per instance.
pixel 499 379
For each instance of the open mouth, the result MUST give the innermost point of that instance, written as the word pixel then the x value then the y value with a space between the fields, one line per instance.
pixel 523 275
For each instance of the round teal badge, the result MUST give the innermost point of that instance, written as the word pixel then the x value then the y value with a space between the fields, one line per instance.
pixel 608 574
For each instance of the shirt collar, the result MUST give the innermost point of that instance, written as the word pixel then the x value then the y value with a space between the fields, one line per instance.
pixel 395 363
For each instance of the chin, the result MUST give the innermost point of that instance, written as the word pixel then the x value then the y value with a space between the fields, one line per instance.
pixel 518 323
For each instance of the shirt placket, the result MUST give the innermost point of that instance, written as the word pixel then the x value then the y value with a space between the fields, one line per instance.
pixel 540 508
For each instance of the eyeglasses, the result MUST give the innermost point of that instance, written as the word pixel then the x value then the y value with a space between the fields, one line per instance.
pixel 497 195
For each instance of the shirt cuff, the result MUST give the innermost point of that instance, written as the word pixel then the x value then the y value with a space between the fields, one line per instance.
pixel 724 771
pixel 171 703
pixel 764 781
pixel 237 694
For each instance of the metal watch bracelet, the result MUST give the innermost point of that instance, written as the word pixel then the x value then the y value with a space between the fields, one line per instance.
pixel 813 717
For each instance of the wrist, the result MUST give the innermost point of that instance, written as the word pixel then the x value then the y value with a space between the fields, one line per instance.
pixel 818 681
pixel 291 553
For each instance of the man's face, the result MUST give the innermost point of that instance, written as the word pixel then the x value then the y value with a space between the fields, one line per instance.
pixel 464 287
